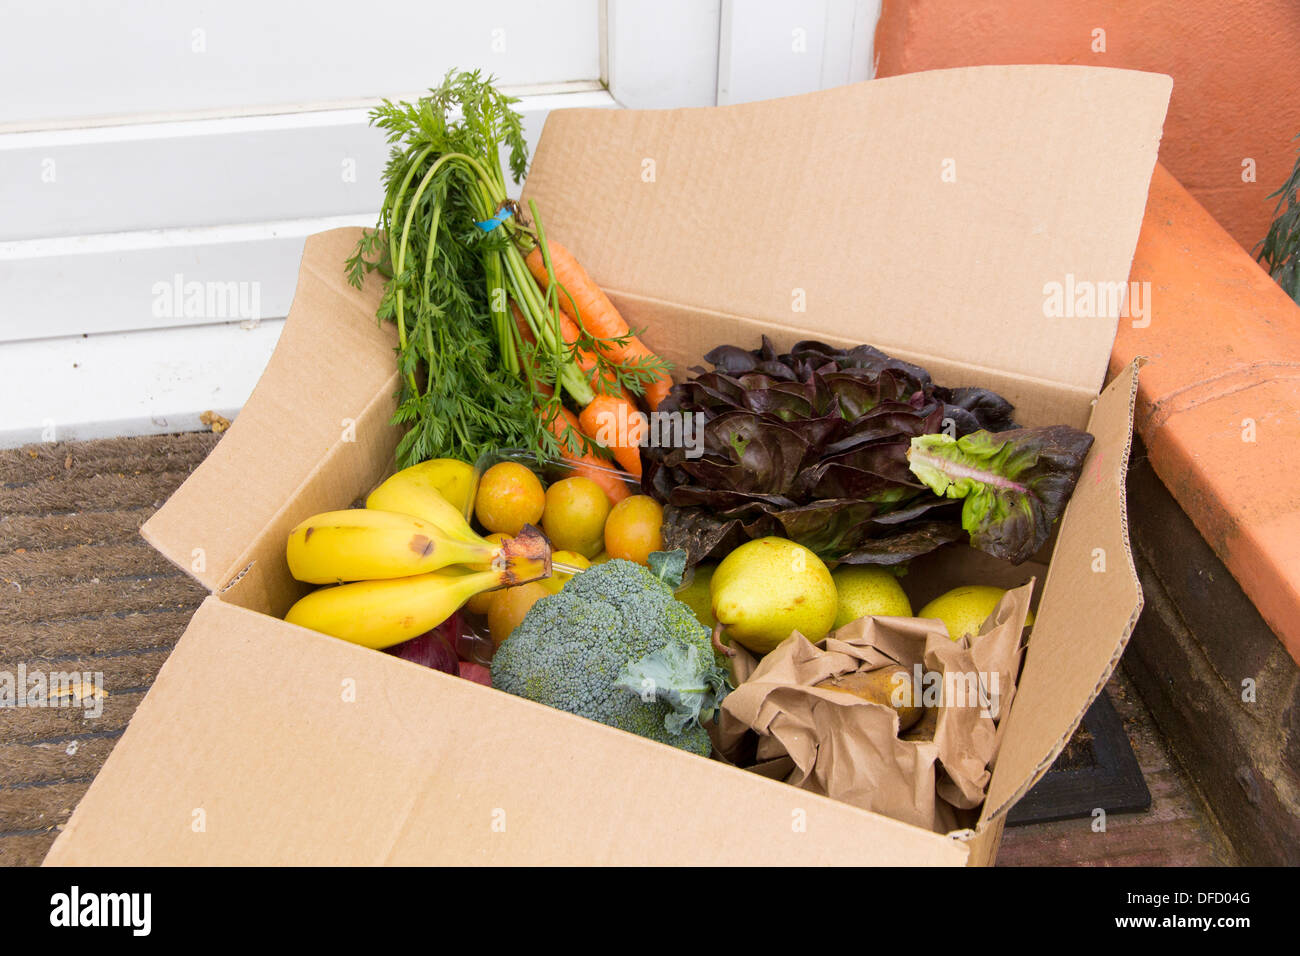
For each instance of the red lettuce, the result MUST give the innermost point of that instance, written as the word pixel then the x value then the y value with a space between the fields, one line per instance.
pixel 813 445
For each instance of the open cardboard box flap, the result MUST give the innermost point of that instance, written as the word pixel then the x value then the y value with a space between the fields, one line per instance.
pixel 922 213
pixel 838 194
pixel 326 394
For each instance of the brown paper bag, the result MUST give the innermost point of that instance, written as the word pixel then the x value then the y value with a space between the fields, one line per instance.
pixel 848 748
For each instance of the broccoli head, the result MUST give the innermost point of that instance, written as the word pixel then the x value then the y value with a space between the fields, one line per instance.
pixel 615 646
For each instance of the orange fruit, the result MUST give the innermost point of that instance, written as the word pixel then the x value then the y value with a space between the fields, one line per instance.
pixel 634 528
pixel 509 608
pixel 509 497
pixel 574 517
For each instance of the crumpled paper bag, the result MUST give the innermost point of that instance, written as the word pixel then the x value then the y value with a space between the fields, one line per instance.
pixel 848 748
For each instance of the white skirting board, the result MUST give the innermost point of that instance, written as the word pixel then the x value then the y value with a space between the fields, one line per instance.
pixel 129 383
pixel 176 363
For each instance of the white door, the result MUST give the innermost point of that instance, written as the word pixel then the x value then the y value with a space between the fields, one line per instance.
pixel 148 145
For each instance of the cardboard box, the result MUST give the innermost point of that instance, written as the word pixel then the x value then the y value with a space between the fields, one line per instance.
pixel 924 214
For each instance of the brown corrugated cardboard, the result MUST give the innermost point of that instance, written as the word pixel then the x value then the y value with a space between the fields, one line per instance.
pixel 249 729
pixel 1091 589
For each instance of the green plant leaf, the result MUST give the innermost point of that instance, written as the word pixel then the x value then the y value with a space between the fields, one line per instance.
pixel 668 566
pixel 682 676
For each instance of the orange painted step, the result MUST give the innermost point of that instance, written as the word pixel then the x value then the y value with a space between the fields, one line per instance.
pixel 1219 400
pixel 1230 63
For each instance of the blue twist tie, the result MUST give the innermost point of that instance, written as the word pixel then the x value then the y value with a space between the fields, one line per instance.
pixel 487 225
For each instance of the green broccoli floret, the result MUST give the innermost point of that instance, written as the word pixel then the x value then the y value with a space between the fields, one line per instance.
pixel 614 645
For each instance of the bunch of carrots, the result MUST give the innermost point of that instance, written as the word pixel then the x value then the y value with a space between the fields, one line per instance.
pixel 612 419
pixel 496 326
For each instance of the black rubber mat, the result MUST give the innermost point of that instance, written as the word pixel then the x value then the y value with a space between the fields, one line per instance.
pixel 1096 770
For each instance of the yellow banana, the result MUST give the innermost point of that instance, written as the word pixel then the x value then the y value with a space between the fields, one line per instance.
pixel 406 491
pixel 380 614
pixel 359 545
pixel 415 491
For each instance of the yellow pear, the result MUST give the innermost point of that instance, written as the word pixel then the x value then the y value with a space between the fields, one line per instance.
pixel 769 587
pixel 696 594
pixel 890 685
pixel 868 591
pixel 964 610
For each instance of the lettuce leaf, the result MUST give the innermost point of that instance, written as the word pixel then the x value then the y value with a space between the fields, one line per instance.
pixel 1014 484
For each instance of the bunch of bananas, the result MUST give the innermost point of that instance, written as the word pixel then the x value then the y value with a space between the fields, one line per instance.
pixel 403 564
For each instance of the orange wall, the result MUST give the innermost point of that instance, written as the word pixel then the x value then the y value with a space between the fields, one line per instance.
pixel 1235 64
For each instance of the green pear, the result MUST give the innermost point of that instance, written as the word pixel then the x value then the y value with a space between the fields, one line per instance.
pixel 696 594
pixel 769 587
pixel 868 591
pixel 964 610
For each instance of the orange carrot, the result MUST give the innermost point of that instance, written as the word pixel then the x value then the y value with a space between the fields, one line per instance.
pixel 569 330
pixel 598 316
pixel 587 465
pixel 521 324
pixel 616 423
pixel 586 361
pixel 657 390
pixel 602 415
